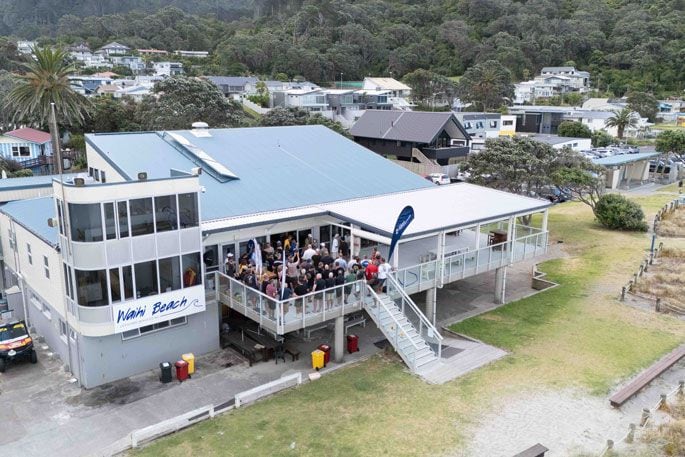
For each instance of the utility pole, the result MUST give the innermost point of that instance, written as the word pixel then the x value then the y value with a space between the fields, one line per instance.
pixel 56 151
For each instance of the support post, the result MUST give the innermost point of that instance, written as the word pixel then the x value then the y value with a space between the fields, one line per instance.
pixel 431 302
pixel 339 346
pixel 500 285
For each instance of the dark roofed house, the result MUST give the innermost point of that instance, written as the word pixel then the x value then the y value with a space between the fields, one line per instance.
pixel 235 85
pixel 438 135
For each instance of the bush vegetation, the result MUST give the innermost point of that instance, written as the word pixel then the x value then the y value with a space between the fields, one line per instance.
pixel 616 212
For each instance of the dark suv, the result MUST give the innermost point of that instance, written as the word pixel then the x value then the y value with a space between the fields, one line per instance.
pixel 15 343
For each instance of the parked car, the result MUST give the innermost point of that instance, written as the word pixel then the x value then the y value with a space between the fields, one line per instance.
pixel 438 178
pixel 554 194
pixel 15 344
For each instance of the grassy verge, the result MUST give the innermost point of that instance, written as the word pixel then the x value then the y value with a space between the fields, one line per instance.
pixel 575 335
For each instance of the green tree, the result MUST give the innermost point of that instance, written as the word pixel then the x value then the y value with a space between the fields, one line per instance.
pixel 44 84
pixel 622 119
pixel 292 116
pixel 7 82
pixel 576 175
pixel 645 104
pixel 427 87
pixel 671 141
pixel 574 130
pixel 487 85
pixel 616 212
pixel 108 114
pixel 601 139
pixel 519 164
pixel 180 101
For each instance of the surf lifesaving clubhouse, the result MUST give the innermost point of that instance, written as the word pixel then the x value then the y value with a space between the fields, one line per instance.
pixel 129 272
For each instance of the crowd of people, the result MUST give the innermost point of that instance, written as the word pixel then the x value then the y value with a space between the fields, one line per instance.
pixel 288 271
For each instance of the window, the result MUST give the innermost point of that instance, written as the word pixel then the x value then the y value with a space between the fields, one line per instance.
pixel 21 151
pixel 10 237
pixel 127 279
pixel 508 123
pixel 192 274
pixel 110 224
pixel 211 257
pixel 187 210
pixel 66 280
pixel 141 216
pixel 146 279
pixel 102 176
pixel 467 125
pixel 91 288
pixel 479 125
pixel 28 252
pixel 97 174
pixel 122 212
pixel 62 329
pixel 91 172
pixel 86 222
pixel 165 213
pixel 60 216
pixel 46 267
pixel 170 274
pixel 493 124
pixel 114 285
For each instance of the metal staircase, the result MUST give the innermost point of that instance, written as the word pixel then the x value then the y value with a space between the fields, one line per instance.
pixel 412 335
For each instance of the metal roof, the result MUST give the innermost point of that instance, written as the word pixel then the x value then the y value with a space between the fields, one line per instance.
pixel 33 214
pixel 386 83
pixel 412 126
pixel 555 139
pixel 277 167
pixel 435 208
pixel 28 182
pixel 624 158
pixel 232 80
pixel 29 134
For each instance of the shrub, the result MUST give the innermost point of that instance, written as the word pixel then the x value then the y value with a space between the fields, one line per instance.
pixel 24 173
pixel 616 212
pixel 574 130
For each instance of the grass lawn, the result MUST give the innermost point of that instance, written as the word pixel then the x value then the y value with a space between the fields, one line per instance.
pixel 667 127
pixel 575 335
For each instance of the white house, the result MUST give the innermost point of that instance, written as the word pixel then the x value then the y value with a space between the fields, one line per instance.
pixel 168 68
pixel 131 266
pixel 134 63
pixel 192 54
pixel 114 48
pixel 561 142
pixel 26 47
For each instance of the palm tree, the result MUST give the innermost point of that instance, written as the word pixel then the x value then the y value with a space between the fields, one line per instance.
pixel 45 82
pixel 621 120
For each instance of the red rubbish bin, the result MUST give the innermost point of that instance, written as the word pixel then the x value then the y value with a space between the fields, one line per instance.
pixel 326 353
pixel 352 343
pixel 181 370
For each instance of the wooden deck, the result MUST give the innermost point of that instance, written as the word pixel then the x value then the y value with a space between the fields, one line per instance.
pixel 470 356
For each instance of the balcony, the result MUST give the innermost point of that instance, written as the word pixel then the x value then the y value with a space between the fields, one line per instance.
pixel 446 152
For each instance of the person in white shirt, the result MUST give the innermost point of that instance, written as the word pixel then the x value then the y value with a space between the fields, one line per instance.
pixel 335 245
pixel 308 253
pixel 384 270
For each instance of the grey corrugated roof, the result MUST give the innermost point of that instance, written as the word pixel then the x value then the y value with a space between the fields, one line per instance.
pixel 33 215
pixel 624 158
pixel 554 139
pixel 27 182
pixel 277 167
pixel 413 126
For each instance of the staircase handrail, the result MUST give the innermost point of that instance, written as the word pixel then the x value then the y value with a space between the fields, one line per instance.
pixel 415 308
pixel 397 323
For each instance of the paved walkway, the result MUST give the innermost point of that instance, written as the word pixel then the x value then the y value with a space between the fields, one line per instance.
pixel 43 414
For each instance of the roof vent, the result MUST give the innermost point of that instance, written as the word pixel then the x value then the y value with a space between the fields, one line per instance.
pixel 200 130
pixel 142 176
pixel 79 182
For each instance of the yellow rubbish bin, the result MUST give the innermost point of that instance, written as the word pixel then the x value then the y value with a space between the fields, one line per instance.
pixel 190 359
pixel 317 359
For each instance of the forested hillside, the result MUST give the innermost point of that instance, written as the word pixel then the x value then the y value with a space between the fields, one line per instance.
pixel 638 44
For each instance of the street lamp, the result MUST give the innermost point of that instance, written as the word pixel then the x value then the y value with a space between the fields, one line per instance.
pixel 341 75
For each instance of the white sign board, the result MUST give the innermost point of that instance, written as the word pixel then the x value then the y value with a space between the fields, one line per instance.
pixel 158 308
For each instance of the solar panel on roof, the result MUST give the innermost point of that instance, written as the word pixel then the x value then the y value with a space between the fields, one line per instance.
pixel 213 164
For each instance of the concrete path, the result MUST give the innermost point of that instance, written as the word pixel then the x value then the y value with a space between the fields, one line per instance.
pixel 43 414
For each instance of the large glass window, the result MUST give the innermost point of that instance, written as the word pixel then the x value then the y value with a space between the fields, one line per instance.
pixel 146 279
pixel 192 273
pixel 170 274
pixel 187 210
pixel 122 211
pixel 67 280
pixel 60 216
pixel 127 277
pixel 91 288
pixel 165 213
pixel 85 221
pixel 110 223
pixel 141 216
pixel 114 285
pixel 211 257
